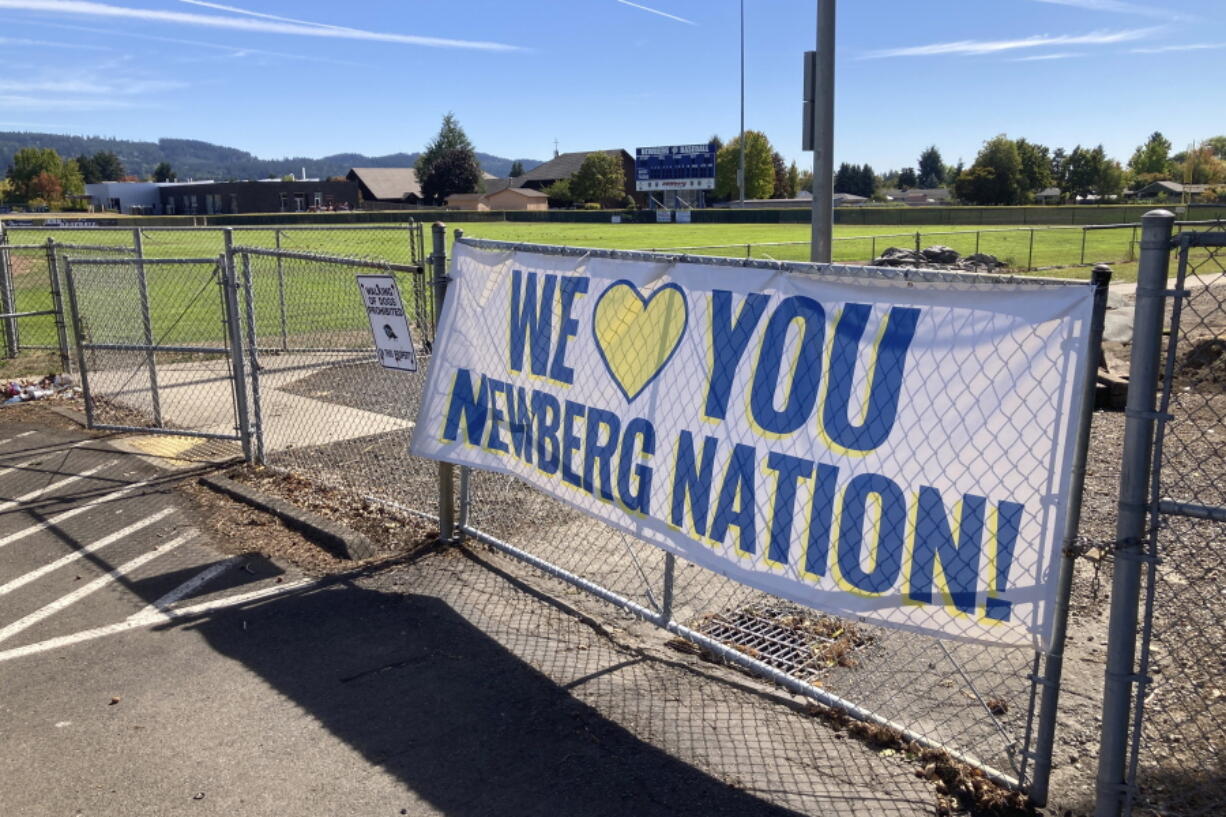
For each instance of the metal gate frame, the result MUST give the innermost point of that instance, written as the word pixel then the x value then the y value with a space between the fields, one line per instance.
pixel 223 273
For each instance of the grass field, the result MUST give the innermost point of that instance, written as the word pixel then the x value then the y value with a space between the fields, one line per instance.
pixel 310 294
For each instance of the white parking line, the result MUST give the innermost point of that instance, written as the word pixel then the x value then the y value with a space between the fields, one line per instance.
pixel 60 517
pixel 151 618
pixel 83 591
pixel 69 558
pixel 187 588
pixel 13 503
pixel 16 437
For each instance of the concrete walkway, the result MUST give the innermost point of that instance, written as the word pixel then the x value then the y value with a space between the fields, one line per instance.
pixel 197 396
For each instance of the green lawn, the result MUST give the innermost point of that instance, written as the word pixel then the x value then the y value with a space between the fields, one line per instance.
pixel 320 305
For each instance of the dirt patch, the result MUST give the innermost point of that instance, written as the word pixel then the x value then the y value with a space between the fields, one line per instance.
pixel 1203 366
pixel 392 532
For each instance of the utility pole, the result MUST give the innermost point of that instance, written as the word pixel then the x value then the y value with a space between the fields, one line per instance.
pixel 740 173
pixel 821 241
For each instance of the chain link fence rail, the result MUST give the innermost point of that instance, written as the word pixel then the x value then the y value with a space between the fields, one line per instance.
pixel 1167 755
pixel 992 709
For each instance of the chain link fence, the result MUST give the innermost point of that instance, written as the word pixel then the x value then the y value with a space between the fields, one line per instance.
pixel 1026 249
pixel 1170 568
pixel 324 405
pixel 977 704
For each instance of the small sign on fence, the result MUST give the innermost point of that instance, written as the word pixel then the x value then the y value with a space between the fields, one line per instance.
pixel 388 322
pixel 890 449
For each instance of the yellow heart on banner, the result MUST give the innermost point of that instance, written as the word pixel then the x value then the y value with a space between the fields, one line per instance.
pixel 637 336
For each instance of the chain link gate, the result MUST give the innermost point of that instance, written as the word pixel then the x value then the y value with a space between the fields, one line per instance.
pixel 159 345
pixel 1164 717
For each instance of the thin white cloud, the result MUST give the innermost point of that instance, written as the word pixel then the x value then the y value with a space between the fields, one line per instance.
pixel 87 8
pixel 1120 7
pixel 980 47
pixel 657 11
pixel 1165 49
pixel 235 10
pixel 111 87
pixel 57 103
pixel 1062 55
pixel 234 50
pixel 22 42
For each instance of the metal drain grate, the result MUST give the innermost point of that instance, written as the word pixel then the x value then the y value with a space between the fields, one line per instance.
pixel 802 644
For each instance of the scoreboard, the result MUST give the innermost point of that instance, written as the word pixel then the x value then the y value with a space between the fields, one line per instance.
pixel 675 167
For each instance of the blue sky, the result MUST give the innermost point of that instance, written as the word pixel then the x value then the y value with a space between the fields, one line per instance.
pixel 314 77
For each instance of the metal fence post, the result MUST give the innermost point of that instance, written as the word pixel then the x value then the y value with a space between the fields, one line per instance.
pixel 142 288
pixel 281 293
pixel 1084 233
pixel 1053 666
pixel 254 357
pixel 78 330
pixel 666 604
pixel 918 239
pixel 232 322
pixel 8 303
pixel 1112 782
pixel 446 471
pixel 1030 254
pixel 57 303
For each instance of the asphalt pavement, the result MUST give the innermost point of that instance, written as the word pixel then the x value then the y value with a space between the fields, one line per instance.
pixel 144 672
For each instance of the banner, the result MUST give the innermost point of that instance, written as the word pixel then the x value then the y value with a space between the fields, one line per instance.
pixel 894 451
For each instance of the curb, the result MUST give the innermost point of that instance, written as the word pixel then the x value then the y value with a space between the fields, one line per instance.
pixel 336 538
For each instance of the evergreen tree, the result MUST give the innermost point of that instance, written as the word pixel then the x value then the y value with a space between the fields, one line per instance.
pixel 867 182
pixel 931 168
pixel 517 169
pixel 781 177
pixel 843 179
pixel 165 173
pixel 453 171
pixel 459 170
pixel 907 178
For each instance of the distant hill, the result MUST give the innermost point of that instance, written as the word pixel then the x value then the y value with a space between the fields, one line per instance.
pixel 192 159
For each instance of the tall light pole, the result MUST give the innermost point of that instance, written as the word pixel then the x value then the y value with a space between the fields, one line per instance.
pixel 740 173
pixel 821 240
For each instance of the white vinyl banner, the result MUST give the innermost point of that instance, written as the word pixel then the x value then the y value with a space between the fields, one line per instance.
pixel 894 451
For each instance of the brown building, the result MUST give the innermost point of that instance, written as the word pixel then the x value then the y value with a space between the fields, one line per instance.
pixel 467 201
pixel 517 198
pixel 565 165
pixel 386 184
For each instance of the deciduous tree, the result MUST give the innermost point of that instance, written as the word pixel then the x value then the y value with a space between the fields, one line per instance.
pixel 600 179
pixel 1153 157
pixel 996 175
pixel 759 169
pixel 1035 166
pixel 907 178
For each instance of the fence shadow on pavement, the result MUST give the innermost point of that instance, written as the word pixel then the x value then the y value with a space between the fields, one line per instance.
pixel 483 700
